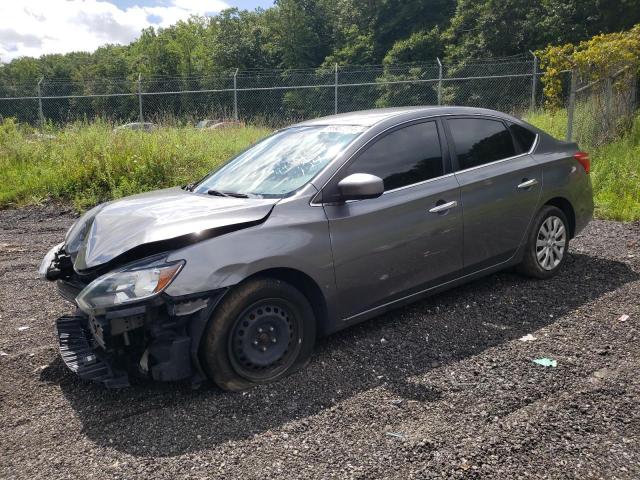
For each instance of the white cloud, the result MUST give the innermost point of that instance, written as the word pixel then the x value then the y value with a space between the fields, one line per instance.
pixel 37 27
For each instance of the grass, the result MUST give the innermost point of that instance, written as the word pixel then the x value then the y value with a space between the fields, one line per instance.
pixel 616 176
pixel 615 166
pixel 89 163
pixel 554 123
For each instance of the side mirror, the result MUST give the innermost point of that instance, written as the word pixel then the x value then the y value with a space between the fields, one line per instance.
pixel 359 186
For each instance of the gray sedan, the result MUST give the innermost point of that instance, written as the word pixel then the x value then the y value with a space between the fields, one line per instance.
pixel 319 226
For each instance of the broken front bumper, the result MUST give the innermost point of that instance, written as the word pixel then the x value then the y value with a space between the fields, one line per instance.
pixel 78 351
pixel 159 339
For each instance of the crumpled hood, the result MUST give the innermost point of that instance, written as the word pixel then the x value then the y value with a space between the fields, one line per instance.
pixel 144 224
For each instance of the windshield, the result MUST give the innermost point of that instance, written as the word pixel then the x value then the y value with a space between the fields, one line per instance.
pixel 281 163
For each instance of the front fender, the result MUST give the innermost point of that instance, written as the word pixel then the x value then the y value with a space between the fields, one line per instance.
pixel 295 236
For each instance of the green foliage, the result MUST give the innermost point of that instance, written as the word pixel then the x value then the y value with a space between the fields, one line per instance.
pixel 422 46
pixel 505 27
pixel 553 122
pixel 307 33
pixel 90 163
pixel 203 52
pixel 594 59
pixel 616 177
pixel 615 167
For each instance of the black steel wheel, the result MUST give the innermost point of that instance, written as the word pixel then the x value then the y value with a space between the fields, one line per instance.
pixel 263 330
pixel 265 339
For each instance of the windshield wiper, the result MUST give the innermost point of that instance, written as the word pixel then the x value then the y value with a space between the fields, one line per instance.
pixel 218 193
pixel 236 195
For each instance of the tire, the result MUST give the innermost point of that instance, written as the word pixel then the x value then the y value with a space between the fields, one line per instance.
pixel 553 251
pixel 263 330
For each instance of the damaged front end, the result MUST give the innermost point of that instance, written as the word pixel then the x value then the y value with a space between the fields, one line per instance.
pixel 126 325
pixel 113 266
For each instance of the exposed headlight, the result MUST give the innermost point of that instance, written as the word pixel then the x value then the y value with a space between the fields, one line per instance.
pixel 46 261
pixel 128 285
pixel 76 233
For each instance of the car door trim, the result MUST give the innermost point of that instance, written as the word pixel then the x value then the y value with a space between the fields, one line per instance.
pixel 404 187
pixel 498 161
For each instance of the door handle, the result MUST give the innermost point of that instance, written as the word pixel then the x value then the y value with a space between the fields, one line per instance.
pixel 443 207
pixel 528 183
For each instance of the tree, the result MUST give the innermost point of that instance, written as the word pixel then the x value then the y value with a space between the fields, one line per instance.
pixel 203 52
pixel 422 47
pixel 300 37
pixel 488 28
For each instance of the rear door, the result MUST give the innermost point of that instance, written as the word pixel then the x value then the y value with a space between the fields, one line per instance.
pixel 500 185
pixel 389 247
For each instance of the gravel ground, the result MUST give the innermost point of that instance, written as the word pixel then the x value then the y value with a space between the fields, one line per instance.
pixel 443 388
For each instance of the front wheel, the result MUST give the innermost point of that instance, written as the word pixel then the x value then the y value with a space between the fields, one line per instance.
pixel 263 330
pixel 547 245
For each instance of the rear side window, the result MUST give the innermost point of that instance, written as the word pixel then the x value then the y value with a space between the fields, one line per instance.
pixel 478 141
pixel 523 136
pixel 403 157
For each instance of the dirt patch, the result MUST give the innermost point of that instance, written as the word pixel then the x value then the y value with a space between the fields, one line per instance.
pixel 443 388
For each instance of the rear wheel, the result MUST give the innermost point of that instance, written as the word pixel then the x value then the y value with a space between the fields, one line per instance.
pixel 263 330
pixel 547 245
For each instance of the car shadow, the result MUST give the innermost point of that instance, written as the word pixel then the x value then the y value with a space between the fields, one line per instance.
pixel 389 352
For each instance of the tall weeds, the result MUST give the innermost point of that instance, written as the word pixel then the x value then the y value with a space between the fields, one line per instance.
pixel 86 163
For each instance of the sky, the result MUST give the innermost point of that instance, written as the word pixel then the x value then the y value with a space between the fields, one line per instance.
pixel 37 27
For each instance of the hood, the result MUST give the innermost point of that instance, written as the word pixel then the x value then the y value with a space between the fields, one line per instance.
pixel 141 225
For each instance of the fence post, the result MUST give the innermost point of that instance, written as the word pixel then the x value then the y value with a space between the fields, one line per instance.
pixel 634 92
pixel 235 95
pixel 335 93
pixel 534 81
pixel 439 81
pixel 140 116
pixel 607 101
pixel 572 105
pixel 40 113
pixel 633 82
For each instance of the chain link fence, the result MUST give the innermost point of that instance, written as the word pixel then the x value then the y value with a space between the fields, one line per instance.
pixel 595 111
pixel 276 96
pixel 599 110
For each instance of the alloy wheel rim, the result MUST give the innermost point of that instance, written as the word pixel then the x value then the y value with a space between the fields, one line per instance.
pixel 551 243
pixel 264 341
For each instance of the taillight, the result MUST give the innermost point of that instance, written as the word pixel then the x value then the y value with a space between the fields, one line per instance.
pixel 583 158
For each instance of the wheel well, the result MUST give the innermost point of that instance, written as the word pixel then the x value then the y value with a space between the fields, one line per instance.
pixel 306 285
pixel 566 207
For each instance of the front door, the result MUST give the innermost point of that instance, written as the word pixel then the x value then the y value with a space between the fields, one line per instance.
pixel 409 238
pixel 499 187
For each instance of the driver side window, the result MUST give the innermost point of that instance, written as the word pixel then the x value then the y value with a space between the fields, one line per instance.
pixel 403 157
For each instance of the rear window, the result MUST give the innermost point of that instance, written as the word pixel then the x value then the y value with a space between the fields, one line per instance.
pixel 523 136
pixel 479 141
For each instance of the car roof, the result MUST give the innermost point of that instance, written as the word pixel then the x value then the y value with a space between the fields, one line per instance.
pixel 368 118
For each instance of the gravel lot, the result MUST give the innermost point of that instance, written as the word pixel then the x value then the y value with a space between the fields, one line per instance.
pixel 443 388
